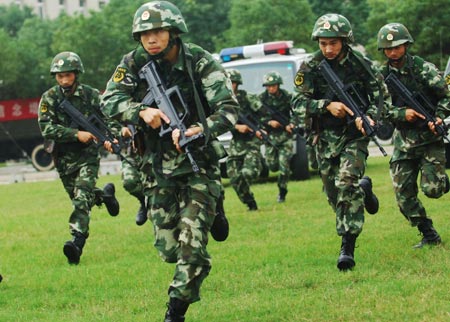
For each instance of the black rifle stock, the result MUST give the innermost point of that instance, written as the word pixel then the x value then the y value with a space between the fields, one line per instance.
pixel 93 124
pixel 160 96
pixel 254 125
pixel 413 100
pixel 342 92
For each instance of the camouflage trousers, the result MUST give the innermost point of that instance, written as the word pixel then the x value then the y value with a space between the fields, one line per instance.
pixel 132 177
pixel 242 170
pixel 405 169
pixel 340 176
pixel 80 186
pixel 279 159
pixel 182 216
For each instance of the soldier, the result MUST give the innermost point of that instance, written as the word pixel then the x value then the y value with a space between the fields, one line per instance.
pixel 75 153
pixel 276 111
pixel 244 162
pixel 416 148
pixel 183 201
pixel 133 179
pixel 341 146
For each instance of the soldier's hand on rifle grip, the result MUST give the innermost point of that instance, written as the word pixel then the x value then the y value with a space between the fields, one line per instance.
pixel 85 137
pixel 360 125
pixel 289 128
pixel 108 145
pixel 152 117
pixel 275 124
pixel 412 115
pixel 432 125
pixel 126 132
pixel 339 110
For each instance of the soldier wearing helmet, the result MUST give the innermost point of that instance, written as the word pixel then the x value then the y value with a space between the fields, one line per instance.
pixel 244 163
pixel 417 148
pixel 341 146
pixel 75 152
pixel 276 103
pixel 183 203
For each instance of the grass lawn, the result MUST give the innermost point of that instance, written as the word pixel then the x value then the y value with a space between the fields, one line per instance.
pixel 279 263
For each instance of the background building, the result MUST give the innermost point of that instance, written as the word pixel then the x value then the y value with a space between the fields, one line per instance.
pixel 50 9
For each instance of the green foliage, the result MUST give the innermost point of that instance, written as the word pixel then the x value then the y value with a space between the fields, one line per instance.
pixel 263 21
pixel 102 38
pixel 279 263
pixel 12 18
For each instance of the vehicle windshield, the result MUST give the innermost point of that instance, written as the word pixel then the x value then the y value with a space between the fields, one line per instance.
pixel 252 75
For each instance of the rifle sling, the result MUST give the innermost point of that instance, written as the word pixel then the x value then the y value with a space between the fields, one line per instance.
pixel 198 102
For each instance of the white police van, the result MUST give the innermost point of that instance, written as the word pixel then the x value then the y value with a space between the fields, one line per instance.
pixel 253 62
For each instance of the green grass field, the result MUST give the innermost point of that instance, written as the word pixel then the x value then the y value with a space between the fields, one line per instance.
pixel 279 263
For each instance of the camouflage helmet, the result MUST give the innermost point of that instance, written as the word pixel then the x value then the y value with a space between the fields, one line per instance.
pixel 272 78
pixel 66 61
pixel 158 14
pixel 332 25
pixel 393 35
pixel 235 76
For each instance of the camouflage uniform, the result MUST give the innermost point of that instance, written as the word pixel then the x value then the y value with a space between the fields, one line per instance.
pixel 182 202
pixel 279 158
pixel 341 148
pixel 244 162
pixel 416 148
pixel 77 163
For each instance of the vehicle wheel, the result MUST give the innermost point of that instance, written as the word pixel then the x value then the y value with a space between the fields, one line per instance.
pixel 299 161
pixel 265 170
pixel 223 169
pixel 385 131
pixel 447 155
pixel 41 159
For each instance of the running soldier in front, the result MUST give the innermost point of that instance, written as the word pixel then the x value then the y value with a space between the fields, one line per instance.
pixel 342 148
pixel 417 148
pixel 187 182
pixel 76 155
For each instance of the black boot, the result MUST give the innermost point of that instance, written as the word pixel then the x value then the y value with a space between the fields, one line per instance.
pixel 252 206
pixel 370 200
pixel 141 216
pixel 346 259
pixel 74 248
pixel 109 199
pixel 282 195
pixel 176 309
pixel 430 235
pixel 1 278
pixel 220 227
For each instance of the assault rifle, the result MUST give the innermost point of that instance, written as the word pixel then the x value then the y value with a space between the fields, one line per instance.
pixel 417 101
pixel 282 119
pixel 93 124
pixel 162 97
pixel 249 120
pixel 344 94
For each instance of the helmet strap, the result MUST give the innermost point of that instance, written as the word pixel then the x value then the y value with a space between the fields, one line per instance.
pixel 69 90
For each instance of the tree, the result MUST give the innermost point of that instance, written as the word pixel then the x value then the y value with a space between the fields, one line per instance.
pixel 429 30
pixel 12 18
pixel 256 21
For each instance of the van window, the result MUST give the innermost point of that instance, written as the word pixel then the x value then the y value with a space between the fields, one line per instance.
pixel 252 75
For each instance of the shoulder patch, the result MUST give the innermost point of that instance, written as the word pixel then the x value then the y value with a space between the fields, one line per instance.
pixel 447 79
pixel 299 78
pixel 44 108
pixel 119 75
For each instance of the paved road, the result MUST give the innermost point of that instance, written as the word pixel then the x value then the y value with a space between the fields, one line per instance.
pixel 16 172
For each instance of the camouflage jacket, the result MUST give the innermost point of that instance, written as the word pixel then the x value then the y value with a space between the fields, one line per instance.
pixel 125 92
pixel 249 106
pixel 70 154
pixel 418 76
pixel 313 96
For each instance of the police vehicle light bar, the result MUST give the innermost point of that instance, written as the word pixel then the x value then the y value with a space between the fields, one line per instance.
pixel 259 50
